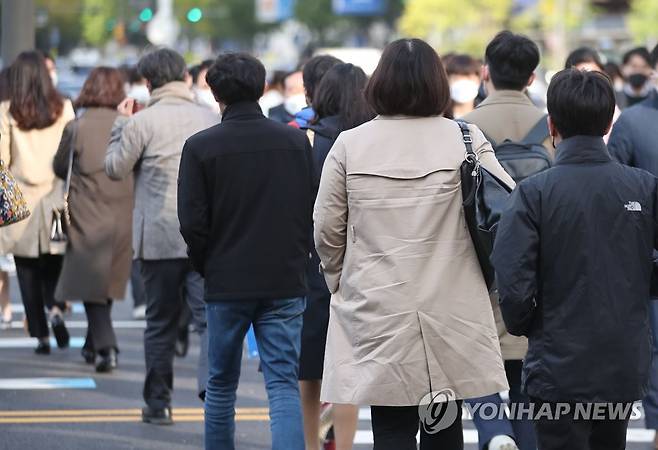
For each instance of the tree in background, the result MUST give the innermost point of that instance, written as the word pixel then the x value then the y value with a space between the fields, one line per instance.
pixel 58 24
pixel 231 21
pixel 642 21
pixel 464 26
pixel 468 26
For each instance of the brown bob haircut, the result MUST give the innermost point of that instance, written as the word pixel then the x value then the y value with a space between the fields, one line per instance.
pixel 409 80
pixel 102 89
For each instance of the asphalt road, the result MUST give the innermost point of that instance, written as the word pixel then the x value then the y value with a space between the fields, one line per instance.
pixel 57 402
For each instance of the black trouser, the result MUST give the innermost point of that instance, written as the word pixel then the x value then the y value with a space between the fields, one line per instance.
pixel 37 279
pixel 167 283
pixel 100 332
pixel 395 428
pixel 566 432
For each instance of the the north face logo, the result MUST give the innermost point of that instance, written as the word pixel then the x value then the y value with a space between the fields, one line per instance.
pixel 633 206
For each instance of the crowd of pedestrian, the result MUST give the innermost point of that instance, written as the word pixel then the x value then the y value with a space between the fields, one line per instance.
pixel 326 209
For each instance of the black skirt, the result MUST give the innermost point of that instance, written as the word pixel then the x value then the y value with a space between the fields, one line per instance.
pixel 316 322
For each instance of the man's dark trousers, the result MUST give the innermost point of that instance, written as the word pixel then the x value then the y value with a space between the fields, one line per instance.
pixel 568 432
pixel 168 282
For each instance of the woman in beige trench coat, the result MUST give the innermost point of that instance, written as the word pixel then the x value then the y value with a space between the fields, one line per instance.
pixel 410 312
pixel 31 125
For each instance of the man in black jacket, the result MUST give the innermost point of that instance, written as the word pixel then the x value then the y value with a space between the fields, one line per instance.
pixel 634 141
pixel 573 259
pixel 246 192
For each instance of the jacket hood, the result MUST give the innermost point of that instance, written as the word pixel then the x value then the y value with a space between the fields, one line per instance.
pixel 176 89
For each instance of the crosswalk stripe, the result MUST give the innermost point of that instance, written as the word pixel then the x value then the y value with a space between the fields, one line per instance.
pixel 25 342
pixel 46 383
pixel 78 308
pixel 82 324
pixel 117 412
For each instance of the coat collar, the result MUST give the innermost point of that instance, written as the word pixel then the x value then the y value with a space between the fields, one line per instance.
pixel 242 110
pixel 652 101
pixel 581 150
pixel 177 89
pixel 506 97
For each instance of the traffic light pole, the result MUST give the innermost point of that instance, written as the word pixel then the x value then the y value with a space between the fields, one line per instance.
pixel 17 28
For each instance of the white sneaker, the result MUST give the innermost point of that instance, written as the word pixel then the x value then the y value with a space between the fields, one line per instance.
pixel 139 313
pixel 502 442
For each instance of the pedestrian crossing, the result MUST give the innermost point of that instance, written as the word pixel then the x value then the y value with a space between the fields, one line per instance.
pixel 637 435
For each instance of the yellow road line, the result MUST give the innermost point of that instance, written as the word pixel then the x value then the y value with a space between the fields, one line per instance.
pixel 124 418
pixel 114 412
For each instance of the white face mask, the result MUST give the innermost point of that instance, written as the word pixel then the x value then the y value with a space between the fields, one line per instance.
pixel 295 103
pixel 140 93
pixel 206 98
pixel 53 77
pixel 464 91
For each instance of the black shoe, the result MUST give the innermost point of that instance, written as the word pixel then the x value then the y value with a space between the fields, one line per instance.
pixel 157 416
pixel 59 330
pixel 88 355
pixel 43 348
pixel 108 362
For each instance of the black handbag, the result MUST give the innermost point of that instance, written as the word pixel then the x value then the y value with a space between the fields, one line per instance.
pixel 485 197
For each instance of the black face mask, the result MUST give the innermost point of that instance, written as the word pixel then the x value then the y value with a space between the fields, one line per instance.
pixel 637 80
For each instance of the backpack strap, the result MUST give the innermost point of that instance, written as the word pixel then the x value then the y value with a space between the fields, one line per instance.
pixel 538 133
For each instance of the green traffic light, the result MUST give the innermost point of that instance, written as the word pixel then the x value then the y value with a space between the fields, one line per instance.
pixel 194 15
pixel 146 14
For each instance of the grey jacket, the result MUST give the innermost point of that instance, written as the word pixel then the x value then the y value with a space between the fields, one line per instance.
pixel 150 145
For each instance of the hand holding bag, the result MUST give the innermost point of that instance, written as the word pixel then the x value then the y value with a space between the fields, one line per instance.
pixel 485 197
pixel 13 207
pixel 61 218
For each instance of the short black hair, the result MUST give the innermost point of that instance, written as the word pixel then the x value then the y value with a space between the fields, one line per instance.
pixel 195 71
pixel 584 55
pixel 409 80
pixel 642 52
pixel 581 103
pixel 512 59
pixel 462 64
pixel 162 66
pixel 277 78
pixel 314 70
pixel 236 77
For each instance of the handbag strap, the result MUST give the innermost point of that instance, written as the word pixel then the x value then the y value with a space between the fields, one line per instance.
pixel 468 140
pixel 69 173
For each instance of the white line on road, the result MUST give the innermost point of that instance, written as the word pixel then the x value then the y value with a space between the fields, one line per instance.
pixel 25 342
pixel 46 383
pixel 82 324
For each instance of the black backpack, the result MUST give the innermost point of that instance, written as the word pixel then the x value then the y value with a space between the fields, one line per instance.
pixel 526 158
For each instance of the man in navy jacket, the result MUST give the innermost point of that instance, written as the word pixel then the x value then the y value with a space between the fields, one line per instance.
pixel 245 201
pixel 634 141
pixel 573 259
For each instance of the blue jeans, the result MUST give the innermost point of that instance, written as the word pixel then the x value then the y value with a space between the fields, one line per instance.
pixel 278 326
pixel 650 402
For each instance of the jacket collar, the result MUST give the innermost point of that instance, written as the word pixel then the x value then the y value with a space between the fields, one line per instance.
pixel 581 150
pixel 506 97
pixel 176 89
pixel 242 110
